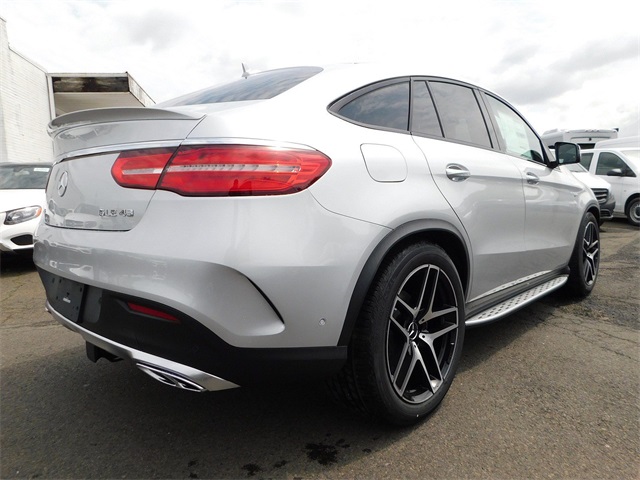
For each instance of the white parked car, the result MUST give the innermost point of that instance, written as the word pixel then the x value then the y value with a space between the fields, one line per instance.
pixel 345 222
pixel 618 161
pixel 22 200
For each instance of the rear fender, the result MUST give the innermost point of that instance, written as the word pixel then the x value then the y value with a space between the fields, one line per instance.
pixel 434 231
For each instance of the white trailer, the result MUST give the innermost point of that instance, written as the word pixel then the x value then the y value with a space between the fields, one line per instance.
pixel 584 138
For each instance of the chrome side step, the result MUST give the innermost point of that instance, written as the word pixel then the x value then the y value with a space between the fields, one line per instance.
pixel 509 306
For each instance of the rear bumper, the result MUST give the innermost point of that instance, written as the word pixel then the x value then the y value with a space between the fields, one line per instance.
pixel 180 350
pixel 259 287
pixel 191 376
pixel 266 273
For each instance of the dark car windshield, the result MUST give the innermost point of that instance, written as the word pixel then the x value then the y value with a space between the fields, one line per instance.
pixel 259 86
pixel 13 177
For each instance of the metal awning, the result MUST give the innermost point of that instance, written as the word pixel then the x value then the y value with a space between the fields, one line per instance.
pixel 80 91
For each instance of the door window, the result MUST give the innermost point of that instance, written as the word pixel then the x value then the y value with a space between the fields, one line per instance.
pixel 609 161
pixel 423 116
pixel 515 136
pixel 460 113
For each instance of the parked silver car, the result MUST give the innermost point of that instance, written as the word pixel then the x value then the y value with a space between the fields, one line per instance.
pixel 344 222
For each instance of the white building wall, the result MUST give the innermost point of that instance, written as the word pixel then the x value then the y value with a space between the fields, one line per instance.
pixel 24 107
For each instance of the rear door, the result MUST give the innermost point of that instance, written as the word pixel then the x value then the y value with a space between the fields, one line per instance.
pixel 482 185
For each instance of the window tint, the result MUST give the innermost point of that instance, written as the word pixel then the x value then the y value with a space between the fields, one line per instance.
pixel 585 160
pixel 260 86
pixel 460 113
pixel 516 137
pixel 608 161
pixel 385 107
pixel 423 116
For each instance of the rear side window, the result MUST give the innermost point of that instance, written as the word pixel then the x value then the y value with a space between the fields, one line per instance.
pixel 259 86
pixel 386 107
pixel 460 114
pixel 516 137
pixel 423 116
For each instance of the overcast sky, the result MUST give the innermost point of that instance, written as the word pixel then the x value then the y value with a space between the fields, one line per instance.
pixel 563 64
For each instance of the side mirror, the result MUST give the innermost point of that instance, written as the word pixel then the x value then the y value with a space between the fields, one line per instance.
pixel 567 153
pixel 616 172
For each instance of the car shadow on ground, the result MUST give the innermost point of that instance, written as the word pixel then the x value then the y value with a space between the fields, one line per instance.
pixel 12 264
pixel 67 417
pixel 483 341
pixel 64 417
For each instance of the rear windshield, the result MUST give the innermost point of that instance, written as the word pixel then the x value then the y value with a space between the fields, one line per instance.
pixel 13 177
pixel 259 86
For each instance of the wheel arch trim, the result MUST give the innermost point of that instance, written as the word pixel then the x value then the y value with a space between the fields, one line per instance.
pixel 630 198
pixel 439 232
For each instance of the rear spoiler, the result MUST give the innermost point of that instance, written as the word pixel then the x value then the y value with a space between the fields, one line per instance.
pixel 119 114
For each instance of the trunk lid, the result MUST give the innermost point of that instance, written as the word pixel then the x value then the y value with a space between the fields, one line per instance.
pixel 81 192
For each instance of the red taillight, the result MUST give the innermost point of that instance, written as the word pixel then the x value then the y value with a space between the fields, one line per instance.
pixel 141 168
pixel 223 170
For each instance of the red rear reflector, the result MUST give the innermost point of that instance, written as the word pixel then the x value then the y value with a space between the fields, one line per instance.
pixel 228 170
pixel 152 312
pixel 141 168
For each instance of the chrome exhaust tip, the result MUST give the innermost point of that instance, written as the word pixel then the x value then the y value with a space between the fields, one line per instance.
pixel 171 378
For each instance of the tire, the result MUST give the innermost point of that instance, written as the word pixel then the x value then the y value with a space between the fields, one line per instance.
pixel 585 260
pixel 633 212
pixel 408 339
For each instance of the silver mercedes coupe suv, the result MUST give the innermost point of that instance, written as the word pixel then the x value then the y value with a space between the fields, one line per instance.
pixel 344 222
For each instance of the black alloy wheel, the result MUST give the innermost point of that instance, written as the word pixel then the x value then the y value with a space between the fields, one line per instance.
pixel 585 260
pixel 407 342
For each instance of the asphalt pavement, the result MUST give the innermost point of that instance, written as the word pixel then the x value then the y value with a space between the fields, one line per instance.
pixel 551 392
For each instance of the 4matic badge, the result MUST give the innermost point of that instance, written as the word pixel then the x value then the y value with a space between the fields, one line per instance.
pixel 125 212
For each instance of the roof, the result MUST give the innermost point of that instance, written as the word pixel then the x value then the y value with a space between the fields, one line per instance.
pixel 619 142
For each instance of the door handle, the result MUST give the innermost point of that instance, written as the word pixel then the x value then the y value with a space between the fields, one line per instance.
pixel 457 173
pixel 532 178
